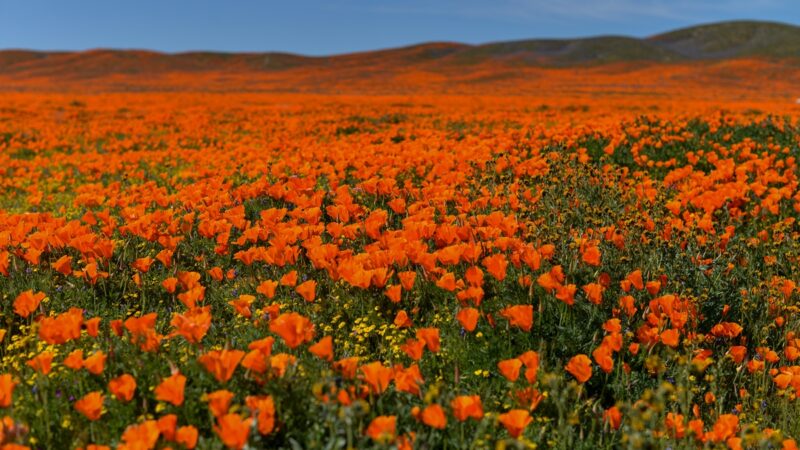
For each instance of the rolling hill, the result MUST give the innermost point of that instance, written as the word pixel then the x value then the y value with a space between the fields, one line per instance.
pixel 497 63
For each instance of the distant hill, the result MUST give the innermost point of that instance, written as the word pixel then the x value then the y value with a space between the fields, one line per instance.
pixel 712 43
pixel 740 39
pixel 724 40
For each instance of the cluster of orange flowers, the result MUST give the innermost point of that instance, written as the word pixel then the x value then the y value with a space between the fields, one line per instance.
pixel 175 266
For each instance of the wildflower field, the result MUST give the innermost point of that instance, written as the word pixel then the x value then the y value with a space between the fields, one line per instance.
pixel 299 271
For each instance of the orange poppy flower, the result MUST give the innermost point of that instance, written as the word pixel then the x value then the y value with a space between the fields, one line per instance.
pixel 548 282
pixel 216 273
pixel 675 424
pixel 434 417
pixel 32 256
pixel 612 325
pixel 323 349
pixel 557 272
pixel 142 435
pixel 468 318
pixel 221 363
pixel 189 280
pixel 413 348
pixel 63 265
pixel 635 278
pixel 267 288
pixel 170 389
pixel 697 426
pixel 74 360
pixel 531 361
pixel 447 282
pixel 165 257
pixel 603 357
pixel 377 376
pixel 289 279
pixel 467 406
pixel 604 279
pixel 532 258
pixel 450 255
pixel 93 326
pixel 293 328
pixel 408 380
pixel 529 398
pixel 509 368
pixel 347 366
pixel 566 293
pixel 186 436
pixel 398 205
pixel 475 294
pixel 394 293
pixel 627 303
pixel 42 362
pixel 170 284
pixel 219 402
pixel 594 292
pixel 474 276
pixel 515 421
pixel 401 320
pixel 95 363
pixel 7 385
pixel 407 279
pixel 27 302
pixel 726 329
pixel 580 367
pixel 90 405
pixel 670 337
pixel 591 255
pixel 431 338
pixel 725 427
pixel 193 324
pixel 380 276
pixel 233 430
pixel 4 263
pixel 280 363
pixel 520 316
pixel 613 417
pixel 263 346
pixel 263 409
pixel 496 265
pixel 382 429
pixel 192 296
pixel 613 341
pixel 255 361
pixel 653 287
pixel 142 264
pixel 242 305
pixel 738 353
pixel 307 290
pixel 123 387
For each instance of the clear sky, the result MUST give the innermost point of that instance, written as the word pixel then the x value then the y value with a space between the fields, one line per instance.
pixel 319 27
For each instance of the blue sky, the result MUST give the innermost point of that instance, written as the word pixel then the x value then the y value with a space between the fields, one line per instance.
pixel 319 27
